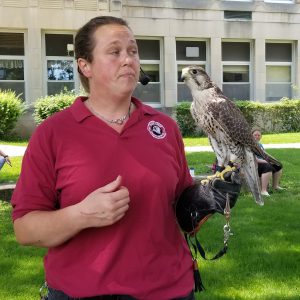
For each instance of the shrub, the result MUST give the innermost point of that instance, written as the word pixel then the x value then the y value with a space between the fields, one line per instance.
pixel 282 116
pixel 47 106
pixel 185 120
pixel 11 109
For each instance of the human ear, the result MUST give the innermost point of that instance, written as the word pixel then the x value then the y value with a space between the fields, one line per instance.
pixel 84 67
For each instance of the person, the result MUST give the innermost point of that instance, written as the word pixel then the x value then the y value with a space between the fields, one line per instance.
pixel 99 181
pixel 4 158
pixel 266 170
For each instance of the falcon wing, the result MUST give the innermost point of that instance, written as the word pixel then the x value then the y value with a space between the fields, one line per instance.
pixel 234 123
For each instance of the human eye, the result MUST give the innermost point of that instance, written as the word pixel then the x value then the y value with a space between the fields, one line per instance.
pixel 133 51
pixel 114 51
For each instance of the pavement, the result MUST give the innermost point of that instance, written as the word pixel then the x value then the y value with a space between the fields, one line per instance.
pixel 13 150
pixel 19 150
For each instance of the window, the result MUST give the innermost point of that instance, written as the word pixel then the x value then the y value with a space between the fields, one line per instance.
pixel 236 70
pixel 280 1
pixel 237 15
pixel 149 52
pixel 188 53
pixel 278 71
pixel 59 63
pixel 12 62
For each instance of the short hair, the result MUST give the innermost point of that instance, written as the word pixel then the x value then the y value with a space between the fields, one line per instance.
pixel 85 43
pixel 255 129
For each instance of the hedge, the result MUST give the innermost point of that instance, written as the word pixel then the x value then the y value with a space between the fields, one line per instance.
pixel 11 109
pixel 279 117
pixel 47 106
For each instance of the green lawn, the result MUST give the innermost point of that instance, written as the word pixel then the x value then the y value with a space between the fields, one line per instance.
pixel 7 173
pixel 264 253
pixel 263 258
pixel 276 138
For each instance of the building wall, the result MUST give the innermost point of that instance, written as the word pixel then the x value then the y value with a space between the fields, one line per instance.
pixel 168 21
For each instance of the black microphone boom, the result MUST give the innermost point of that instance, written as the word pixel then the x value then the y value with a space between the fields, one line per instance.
pixel 144 78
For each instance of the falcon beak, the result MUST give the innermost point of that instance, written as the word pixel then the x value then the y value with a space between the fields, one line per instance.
pixel 184 73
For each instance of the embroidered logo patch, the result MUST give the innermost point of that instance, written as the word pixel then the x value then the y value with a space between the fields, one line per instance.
pixel 157 130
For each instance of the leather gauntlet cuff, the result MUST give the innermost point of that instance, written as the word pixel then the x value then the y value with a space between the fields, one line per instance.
pixel 198 202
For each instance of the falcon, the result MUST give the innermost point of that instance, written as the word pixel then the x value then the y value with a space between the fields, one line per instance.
pixel 227 129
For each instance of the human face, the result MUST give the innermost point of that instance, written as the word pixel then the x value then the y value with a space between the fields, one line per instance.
pixel 257 135
pixel 114 69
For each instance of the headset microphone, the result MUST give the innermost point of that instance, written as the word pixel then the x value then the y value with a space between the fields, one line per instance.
pixel 144 78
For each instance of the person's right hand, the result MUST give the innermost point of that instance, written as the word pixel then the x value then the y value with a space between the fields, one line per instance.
pixel 8 161
pixel 106 205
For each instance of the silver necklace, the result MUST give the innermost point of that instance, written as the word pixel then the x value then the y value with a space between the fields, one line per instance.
pixel 118 121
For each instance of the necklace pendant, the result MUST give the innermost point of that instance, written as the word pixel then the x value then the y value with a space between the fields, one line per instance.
pixel 118 121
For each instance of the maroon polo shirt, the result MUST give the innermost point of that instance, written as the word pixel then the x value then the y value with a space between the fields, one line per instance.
pixel 144 254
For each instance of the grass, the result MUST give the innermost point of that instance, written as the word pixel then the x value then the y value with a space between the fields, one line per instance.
pixel 11 174
pixel 276 138
pixel 21 267
pixel 262 261
pixel 264 253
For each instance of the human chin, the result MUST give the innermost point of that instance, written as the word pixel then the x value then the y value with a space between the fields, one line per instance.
pixel 128 79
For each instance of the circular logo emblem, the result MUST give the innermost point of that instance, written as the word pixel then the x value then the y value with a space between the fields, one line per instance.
pixel 157 130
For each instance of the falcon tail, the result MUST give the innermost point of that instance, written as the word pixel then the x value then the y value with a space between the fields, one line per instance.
pixel 249 168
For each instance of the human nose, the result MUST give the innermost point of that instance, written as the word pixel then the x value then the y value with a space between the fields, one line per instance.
pixel 127 60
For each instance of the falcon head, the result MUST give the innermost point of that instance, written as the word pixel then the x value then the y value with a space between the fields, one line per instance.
pixel 196 78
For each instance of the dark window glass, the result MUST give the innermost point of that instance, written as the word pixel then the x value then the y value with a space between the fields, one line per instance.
pixel 183 93
pixel 239 51
pixel 17 86
pixel 275 92
pixel 148 93
pixel 237 91
pixel 236 73
pixel 58 87
pixel 11 43
pixel 11 69
pixel 60 70
pixel 279 52
pixel 191 50
pixel 148 49
pixel 56 44
pixel 237 15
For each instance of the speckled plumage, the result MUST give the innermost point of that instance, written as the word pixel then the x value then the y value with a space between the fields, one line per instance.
pixel 228 131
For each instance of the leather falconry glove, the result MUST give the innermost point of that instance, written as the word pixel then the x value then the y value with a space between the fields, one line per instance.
pixel 199 201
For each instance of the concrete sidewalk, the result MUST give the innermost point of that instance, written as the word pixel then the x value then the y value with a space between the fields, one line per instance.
pixel 13 150
pixel 19 150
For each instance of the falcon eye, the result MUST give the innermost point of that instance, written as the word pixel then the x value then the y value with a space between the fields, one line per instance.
pixel 194 71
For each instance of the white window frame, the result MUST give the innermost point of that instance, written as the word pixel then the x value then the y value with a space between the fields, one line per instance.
pixel 240 63
pixel 238 0
pixel 18 57
pixel 284 64
pixel 280 1
pixel 45 58
pixel 190 62
pixel 160 69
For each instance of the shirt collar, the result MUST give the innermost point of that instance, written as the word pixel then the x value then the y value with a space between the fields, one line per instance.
pixel 80 112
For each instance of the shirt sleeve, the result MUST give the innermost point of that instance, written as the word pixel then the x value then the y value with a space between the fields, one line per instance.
pixel 185 178
pixel 35 189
